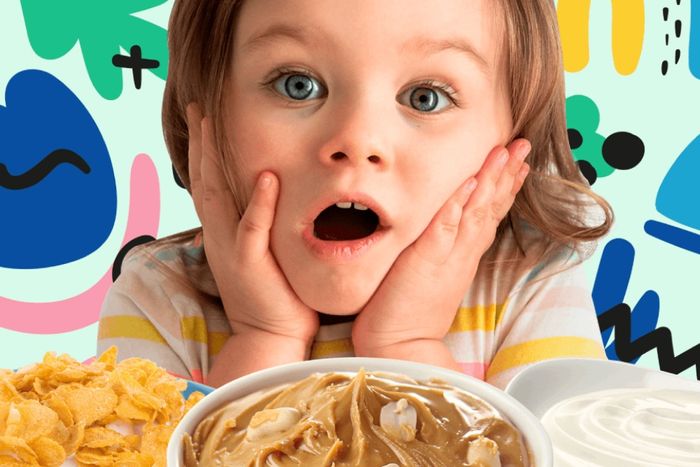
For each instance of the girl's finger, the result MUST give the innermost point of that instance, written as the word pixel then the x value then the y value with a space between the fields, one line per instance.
pixel 217 200
pixel 436 243
pixel 255 225
pixel 481 215
pixel 194 130
pixel 479 209
pixel 505 188
pixel 520 179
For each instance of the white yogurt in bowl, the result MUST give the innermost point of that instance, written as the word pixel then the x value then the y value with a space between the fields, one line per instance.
pixel 630 427
pixel 602 413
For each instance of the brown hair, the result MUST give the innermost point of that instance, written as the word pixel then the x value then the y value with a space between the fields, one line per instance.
pixel 555 196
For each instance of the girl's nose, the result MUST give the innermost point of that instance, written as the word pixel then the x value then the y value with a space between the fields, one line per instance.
pixel 359 134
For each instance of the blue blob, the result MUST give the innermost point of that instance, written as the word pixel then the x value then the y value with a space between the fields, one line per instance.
pixel 58 196
pixel 609 290
pixel 673 235
pixel 679 193
pixel 694 41
pixel 613 278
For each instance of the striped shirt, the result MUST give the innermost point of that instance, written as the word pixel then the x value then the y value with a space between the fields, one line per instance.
pixel 165 306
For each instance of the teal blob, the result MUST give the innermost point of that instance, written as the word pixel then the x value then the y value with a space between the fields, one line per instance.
pixel 679 194
pixel 591 151
pixel 583 114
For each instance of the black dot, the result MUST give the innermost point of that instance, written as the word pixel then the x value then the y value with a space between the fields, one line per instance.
pixel 623 150
pixel 588 171
pixel 575 138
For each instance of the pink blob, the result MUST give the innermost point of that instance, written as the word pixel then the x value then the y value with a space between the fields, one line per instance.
pixel 84 309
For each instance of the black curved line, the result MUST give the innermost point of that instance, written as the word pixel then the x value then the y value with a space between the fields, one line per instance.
pixel 661 339
pixel 42 169
pixel 134 242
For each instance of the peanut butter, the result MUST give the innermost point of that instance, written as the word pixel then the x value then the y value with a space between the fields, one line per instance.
pixel 369 419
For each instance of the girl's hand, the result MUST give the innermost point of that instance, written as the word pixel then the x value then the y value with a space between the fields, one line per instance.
pixel 254 291
pixel 422 291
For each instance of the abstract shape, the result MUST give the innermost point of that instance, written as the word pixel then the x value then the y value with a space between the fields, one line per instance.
pixel 136 63
pixel 133 243
pixel 677 199
pixel 673 235
pixel 610 288
pixel 678 195
pixel 101 27
pixel 596 155
pixel 623 150
pixel 40 171
pixel 588 171
pixel 178 181
pixel 55 175
pixel 582 120
pixel 694 40
pixel 83 309
pixel 630 348
pixel 627 33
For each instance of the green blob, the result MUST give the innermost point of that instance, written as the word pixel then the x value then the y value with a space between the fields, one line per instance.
pixel 583 115
pixel 592 151
pixel 101 27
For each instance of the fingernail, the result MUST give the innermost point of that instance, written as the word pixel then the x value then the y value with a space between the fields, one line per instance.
pixel 467 190
pixel 502 158
pixel 265 181
pixel 524 150
pixel 523 172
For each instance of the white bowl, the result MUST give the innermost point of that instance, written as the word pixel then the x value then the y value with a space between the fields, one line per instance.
pixel 534 433
pixel 544 384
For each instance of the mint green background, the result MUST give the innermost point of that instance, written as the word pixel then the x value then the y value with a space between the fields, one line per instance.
pixel 663 111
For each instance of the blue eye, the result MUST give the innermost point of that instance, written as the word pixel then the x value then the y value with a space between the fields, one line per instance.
pixel 299 86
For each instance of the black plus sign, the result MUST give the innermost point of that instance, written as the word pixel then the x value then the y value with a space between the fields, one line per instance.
pixel 136 63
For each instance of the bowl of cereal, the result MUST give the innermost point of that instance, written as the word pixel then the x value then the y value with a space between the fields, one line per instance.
pixel 610 413
pixel 61 412
pixel 359 411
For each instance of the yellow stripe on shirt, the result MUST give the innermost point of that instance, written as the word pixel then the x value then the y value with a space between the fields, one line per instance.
pixel 128 326
pixel 478 318
pixel 192 327
pixel 216 341
pixel 543 349
pixel 325 348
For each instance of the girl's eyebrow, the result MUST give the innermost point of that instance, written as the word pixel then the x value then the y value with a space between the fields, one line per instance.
pixel 315 36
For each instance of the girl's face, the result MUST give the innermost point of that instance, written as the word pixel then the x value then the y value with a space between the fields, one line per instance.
pixel 390 107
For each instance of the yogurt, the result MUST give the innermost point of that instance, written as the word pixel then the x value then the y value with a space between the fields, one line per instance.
pixel 626 427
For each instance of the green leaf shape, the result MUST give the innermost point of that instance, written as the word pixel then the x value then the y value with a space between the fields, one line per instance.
pixel 102 28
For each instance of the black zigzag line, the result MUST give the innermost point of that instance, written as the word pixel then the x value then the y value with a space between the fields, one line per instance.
pixel 620 316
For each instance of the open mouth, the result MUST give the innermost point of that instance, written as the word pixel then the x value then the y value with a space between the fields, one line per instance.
pixel 345 221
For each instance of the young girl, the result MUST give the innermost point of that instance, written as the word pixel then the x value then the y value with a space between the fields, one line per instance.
pixel 358 169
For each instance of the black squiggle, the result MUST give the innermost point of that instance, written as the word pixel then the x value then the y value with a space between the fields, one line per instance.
pixel 620 316
pixel 133 243
pixel 41 170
